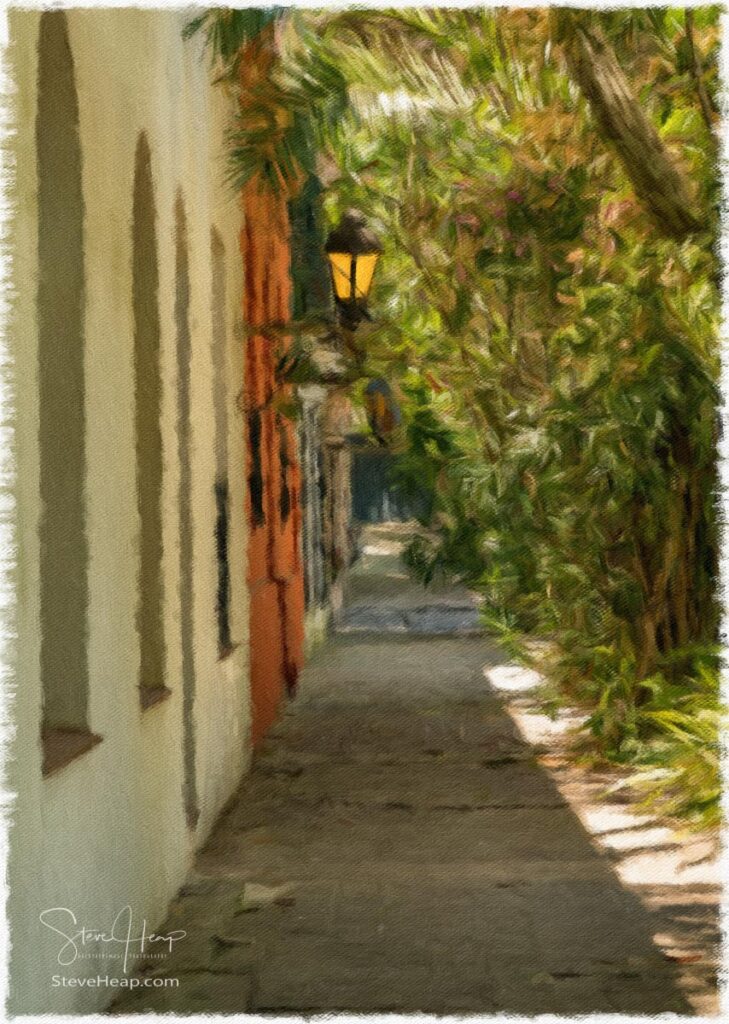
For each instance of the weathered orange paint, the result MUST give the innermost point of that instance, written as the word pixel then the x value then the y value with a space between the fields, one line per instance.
pixel 266 658
pixel 275 573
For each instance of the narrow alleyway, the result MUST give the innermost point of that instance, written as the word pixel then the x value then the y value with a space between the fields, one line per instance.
pixel 397 846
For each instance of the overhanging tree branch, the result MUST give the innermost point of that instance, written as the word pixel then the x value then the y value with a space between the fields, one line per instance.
pixel 657 180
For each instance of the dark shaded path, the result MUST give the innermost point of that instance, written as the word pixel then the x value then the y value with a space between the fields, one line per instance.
pixel 398 848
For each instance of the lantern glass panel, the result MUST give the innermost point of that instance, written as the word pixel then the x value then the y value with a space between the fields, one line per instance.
pixel 365 270
pixel 341 263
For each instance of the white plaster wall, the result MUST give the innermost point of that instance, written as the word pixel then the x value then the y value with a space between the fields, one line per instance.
pixel 109 829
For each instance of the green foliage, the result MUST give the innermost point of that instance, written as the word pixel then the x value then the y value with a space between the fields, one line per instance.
pixel 227 30
pixel 680 765
pixel 281 119
pixel 556 357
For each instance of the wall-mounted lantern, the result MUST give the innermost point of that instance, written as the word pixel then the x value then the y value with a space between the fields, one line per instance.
pixel 353 250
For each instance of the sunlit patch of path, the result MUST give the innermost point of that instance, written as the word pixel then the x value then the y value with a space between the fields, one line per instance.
pixel 675 874
pixel 398 847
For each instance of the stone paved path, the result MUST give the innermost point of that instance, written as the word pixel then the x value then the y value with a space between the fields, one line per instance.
pixel 397 847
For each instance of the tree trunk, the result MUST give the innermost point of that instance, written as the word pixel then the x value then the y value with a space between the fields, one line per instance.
pixel 697 73
pixel 655 177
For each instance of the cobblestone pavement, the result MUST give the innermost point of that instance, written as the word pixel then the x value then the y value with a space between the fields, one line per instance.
pixel 398 847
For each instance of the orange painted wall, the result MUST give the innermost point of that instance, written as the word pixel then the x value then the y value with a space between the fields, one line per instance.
pixel 275 572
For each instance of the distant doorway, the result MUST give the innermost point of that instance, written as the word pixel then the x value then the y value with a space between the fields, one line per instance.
pixel 376 497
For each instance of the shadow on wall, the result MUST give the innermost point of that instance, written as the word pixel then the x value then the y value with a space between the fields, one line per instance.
pixel 148 433
pixel 61 297
pixel 184 429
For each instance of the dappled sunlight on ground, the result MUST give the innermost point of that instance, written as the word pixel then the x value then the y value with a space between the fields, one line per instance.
pixel 677 875
pixel 620 827
pixel 512 678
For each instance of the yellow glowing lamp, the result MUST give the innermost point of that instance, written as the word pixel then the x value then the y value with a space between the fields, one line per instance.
pixel 353 250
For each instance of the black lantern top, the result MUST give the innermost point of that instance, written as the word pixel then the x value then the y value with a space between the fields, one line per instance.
pixel 353 236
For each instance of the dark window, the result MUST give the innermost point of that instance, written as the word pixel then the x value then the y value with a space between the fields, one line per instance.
pixel 255 477
pixel 221 536
pixel 285 462
pixel 222 498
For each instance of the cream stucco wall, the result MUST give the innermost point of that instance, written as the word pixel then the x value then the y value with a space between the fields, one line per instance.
pixel 109 828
